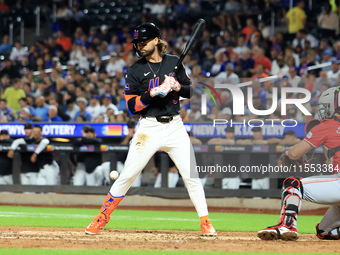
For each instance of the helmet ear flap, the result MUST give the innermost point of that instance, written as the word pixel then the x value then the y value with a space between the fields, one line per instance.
pixel 136 50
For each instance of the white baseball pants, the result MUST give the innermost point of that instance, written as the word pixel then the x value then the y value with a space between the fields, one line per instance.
pixel 6 179
pixel 29 178
pixel 81 177
pixel 324 189
pixel 172 138
pixel 49 174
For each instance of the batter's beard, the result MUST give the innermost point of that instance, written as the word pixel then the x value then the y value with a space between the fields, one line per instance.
pixel 147 52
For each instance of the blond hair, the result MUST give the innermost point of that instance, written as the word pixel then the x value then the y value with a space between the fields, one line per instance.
pixel 162 46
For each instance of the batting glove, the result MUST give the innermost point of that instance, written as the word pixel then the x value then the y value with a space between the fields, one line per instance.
pixel 175 85
pixel 165 88
pixel 161 90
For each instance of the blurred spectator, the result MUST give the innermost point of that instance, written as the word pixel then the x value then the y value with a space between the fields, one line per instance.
pixel 290 53
pixel 5 82
pixel 18 52
pixel 296 18
pixel 228 140
pixel 6 113
pixel 228 76
pixel 41 111
pixel 97 65
pixel 82 103
pixel 333 74
pixel 13 94
pixel 104 34
pixel 53 114
pixel 264 29
pixel 7 67
pixel 288 139
pixel 94 108
pixel 6 177
pixel 302 36
pixel 24 103
pixel 64 41
pixel 249 29
pixel 115 64
pixel 121 99
pixel 259 92
pixel 293 79
pixel 5 47
pixel 114 44
pixel 328 22
pixel 107 103
pixel 320 81
pixel 60 111
pixel 24 115
pixel 260 73
pixel 279 67
pixel 209 60
pixel 247 63
pixel 327 57
pixel 241 45
pixel 29 171
pixel 72 109
pixel 261 59
pixel 4 8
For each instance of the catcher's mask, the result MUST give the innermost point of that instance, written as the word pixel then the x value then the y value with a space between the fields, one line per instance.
pixel 144 32
pixel 329 103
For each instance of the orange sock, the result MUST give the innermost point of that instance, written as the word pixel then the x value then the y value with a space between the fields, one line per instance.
pixel 109 205
pixel 204 218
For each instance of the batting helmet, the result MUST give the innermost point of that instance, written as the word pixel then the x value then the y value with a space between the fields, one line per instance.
pixel 329 103
pixel 145 32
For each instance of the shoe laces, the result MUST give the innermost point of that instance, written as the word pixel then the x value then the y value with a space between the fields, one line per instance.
pixel 97 221
pixel 206 224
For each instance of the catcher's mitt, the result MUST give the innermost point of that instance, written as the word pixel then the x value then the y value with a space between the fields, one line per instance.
pixel 300 163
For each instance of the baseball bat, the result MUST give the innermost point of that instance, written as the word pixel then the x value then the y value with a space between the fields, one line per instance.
pixel 200 23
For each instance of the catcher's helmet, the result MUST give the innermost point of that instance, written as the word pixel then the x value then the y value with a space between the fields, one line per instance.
pixel 329 103
pixel 145 32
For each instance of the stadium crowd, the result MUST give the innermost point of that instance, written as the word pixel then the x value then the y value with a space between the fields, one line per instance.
pixel 79 77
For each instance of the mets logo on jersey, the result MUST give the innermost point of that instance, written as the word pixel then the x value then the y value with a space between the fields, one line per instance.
pixel 127 86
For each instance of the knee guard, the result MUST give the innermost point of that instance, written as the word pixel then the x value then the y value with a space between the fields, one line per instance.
pixel 291 198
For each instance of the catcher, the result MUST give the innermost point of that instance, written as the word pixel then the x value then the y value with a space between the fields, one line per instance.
pixel 318 189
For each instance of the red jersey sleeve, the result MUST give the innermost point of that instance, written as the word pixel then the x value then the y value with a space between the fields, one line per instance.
pixel 317 135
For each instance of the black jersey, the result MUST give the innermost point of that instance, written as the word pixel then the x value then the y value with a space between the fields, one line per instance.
pixel 142 76
pixel 5 162
pixel 27 165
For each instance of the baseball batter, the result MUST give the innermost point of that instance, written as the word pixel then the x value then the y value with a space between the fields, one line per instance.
pixel 160 126
pixel 319 189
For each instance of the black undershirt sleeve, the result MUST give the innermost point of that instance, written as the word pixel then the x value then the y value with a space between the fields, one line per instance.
pixel 186 91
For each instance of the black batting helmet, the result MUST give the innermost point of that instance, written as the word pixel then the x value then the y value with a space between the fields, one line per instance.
pixel 145 32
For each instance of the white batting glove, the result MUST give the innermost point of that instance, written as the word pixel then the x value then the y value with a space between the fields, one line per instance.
pixel 165 88
pixel 175 85
pixel 161 90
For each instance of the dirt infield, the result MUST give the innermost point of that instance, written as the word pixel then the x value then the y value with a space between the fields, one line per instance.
pixel 64 238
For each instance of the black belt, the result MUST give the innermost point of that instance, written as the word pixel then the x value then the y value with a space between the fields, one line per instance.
pixel 164 119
